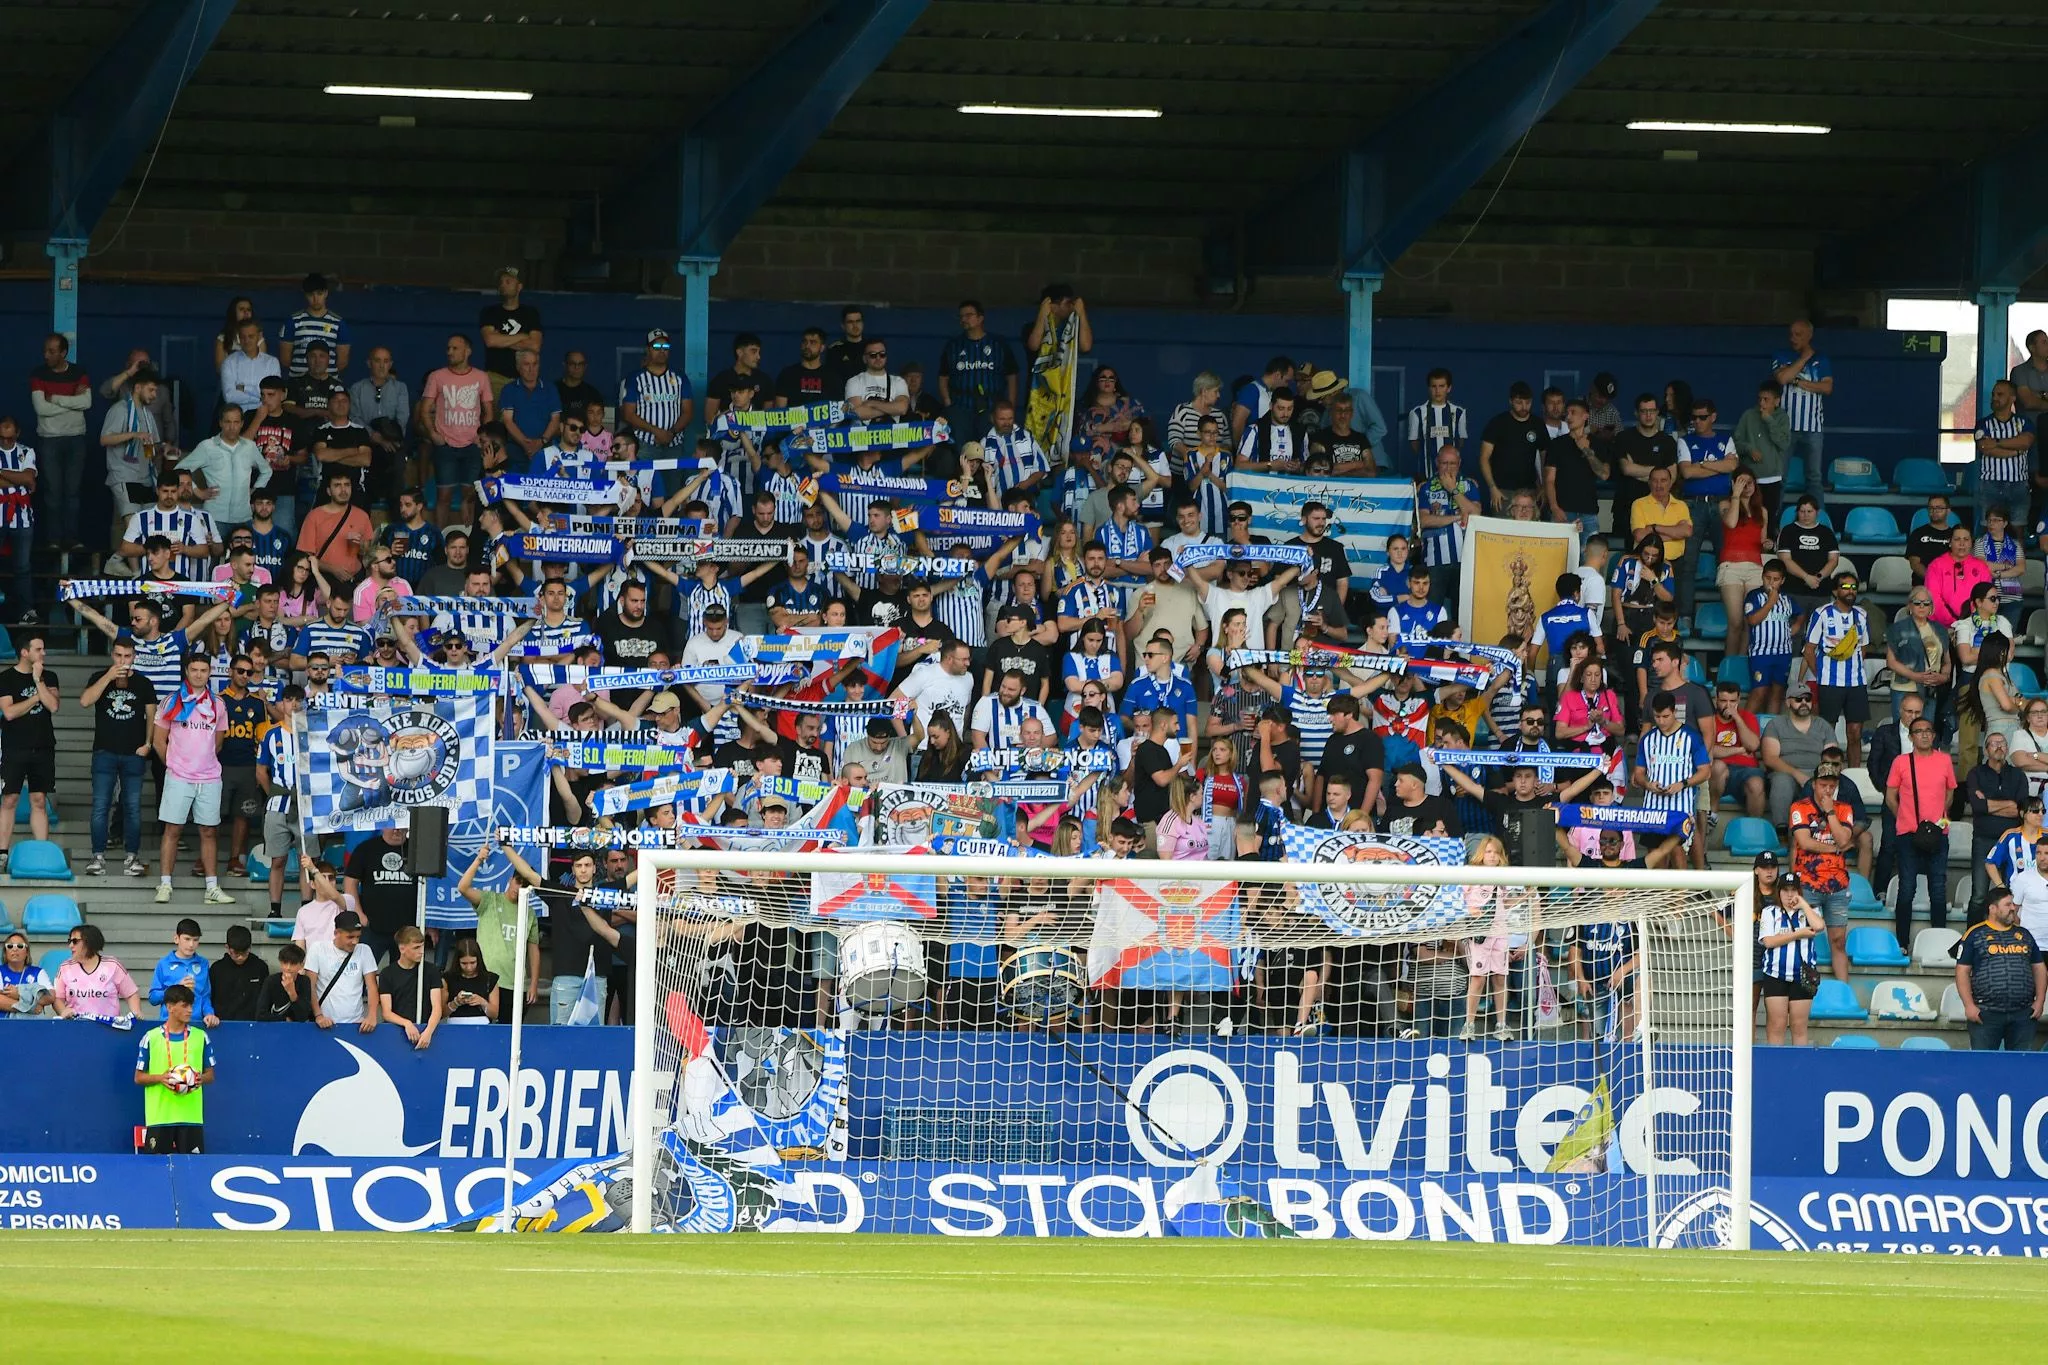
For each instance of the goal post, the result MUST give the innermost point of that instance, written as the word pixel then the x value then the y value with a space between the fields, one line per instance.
pixel 899 1040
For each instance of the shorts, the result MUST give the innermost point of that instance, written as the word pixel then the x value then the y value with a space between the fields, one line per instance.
pixel 1487 956
pixel 36 770
pixel 1837 703
pixel 1833 906
pixel 281 829
pixel 174 1139
pixel 457 466
pixel 1770 670
pixel 239 794
pixel 1774 989
pixel 189 803
pixel 1747 577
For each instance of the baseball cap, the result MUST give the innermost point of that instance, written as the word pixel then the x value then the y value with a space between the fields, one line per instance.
pixel 663 703
pixel 347 920
pixel 657 337
pixel 1413 770
pixel 1826 769
pixel 1765 859
pixel 1799 689
pixel 511 270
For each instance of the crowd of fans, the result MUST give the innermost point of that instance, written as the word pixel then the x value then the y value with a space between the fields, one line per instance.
pixel 330 490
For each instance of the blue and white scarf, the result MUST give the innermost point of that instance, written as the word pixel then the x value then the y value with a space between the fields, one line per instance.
pixel 1639 819
pixel 895 487
pixel 666 790
pixel 466 606
pixel 909 566
pixel 1188 556
pixel 853 440
pixel 894 707
pixel 89 589
pixel 555 548
pixel 416 682
pixel 575 492
pixel 1043 760
pixel 635 679
pixel 973 524
pixel 795 417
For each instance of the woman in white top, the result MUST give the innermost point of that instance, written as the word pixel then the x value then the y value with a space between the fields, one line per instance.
pixel 2029 745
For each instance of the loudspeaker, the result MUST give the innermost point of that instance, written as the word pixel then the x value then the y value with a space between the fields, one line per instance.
pixel 426 853
pixel 1535 841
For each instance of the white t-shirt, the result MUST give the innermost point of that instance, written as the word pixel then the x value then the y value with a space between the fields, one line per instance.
pixel 1256 603
pixel 344 1004
pixel 886 387
pixel 702 649
pixel 932 688
pixel 2030 892
pixel 1593 597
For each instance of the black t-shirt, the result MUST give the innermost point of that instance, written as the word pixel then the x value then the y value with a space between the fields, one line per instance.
pixel 1346 448
pixel 1577 489
pixel 1516 441
pixel 236 985
pixel 277 437
pixel 312 394
pixel 480 985
pixel 799 386
pixel 739 757
pixel 1149 799
pixel 510 322
pixel 916 633
pixel 725 381
pixel 1353 756
pixel 806 765
pixel 577 398
pixel 344 438
pixel 1658 450
pixel 878 608
pixel 1031 659
pixel 1506 809
pixel 411 990
pixel 758 590
pixel 572 942
pixel 1808 547
pixel 1287 757
pixel 842 362
pixel 32 733
pixel 275 1006
pixel 387 893
pixel 1333 566
pixel 631 646
pixel 120 721
pixel 1927 543
pixel 1421 817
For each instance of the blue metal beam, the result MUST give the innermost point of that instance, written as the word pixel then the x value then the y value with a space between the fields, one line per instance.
pixel 1395 185
pixel 707 184
pixel 64 184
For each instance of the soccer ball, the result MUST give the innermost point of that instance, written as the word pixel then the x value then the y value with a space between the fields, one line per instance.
pixel 181 1079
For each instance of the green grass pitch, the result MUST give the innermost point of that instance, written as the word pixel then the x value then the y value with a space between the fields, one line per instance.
pixel 931 1299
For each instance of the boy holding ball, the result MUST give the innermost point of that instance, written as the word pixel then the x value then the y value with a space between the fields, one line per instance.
pixel 171 1064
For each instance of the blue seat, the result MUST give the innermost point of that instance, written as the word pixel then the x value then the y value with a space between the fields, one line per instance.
pixel 49 914
pixel 1873 945
pixel 2024 680
pixel 1872 526
pixel 1922 1042
pixel 1795 477
pixel 1790 513
pixel 1863 898
pixel 1705 567
pixel 1749 835
pixel 1835 1000
pixel 6 919
pixel 1733 668
pixel 1856 1040
pixel 1919 478
pixel 39 859
pixel 21 811
pixel 52 961
pixel 1695 671
pixel 259 870
pixel 1710 621
pixel 1854 476
pixel 1823 952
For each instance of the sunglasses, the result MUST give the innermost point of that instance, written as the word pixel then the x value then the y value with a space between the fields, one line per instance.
pixel 1239 516
pixel 244 672
pixel 876 355
pixel 74 939
pixel 1920 602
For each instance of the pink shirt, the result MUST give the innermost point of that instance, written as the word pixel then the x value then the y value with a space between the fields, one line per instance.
pixel 1937 778
pixel 1182 839
pixel 1950 584
pixel 226 572
pixel 96 994
pixel 366 596
pixel 459 401
pixel 192 755
pixel 315 921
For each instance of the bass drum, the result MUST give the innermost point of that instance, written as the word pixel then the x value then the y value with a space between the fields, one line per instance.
pixel 881 967
pixel 1043 986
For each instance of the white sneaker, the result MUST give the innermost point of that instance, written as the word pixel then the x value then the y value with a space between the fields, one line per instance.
pixel 135 867
pixel 97 867
pixel 216 896
pixel 1466 1034
pixel 163 893
pixel 1505 1035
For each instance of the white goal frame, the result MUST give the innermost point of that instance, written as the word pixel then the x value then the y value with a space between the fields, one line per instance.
pixel 1738 886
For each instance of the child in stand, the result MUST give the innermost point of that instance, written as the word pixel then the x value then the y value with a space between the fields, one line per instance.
pixel 1767 615
pixel 1486 959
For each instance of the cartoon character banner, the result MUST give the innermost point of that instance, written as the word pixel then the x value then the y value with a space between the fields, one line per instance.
pixel 1518 564
pixel 367 767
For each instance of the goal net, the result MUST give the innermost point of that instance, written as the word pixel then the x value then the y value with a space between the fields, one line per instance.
pixel 1384 1046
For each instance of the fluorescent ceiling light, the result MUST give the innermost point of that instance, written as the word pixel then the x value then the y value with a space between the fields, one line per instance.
pixel 1679 126
pixel 427 92
pixel 1057 111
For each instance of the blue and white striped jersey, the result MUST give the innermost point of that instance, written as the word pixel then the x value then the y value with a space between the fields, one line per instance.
pixel 1014 458
pixel 964 609
pixel 342 644
pixel 868 543
pixel 700 599
pixel 1830 629
pixel 1783 962
pixel 1436 427
pixel 180 526
pixel 279 753
pixel 302 329
pixel 1445 545
pixel 660 398
pixel 1771 637
pixel 1001 724
pixel 2002 468
pixel 161 660
pixel 1311 717
pixel 1130 542
pixel 1671 758
pixel 789 498
pixel 819 547
pixel 1804 408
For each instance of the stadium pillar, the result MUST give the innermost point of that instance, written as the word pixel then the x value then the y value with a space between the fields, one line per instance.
pixel 1994 330
pixel 697 272
pixel 1361 286
pixel 65 254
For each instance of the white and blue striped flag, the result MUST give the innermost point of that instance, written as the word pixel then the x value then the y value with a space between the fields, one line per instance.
pixel 1363 512
pixel 589 1007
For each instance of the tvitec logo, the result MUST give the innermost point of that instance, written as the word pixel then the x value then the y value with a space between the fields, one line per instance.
pixel 467 1111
